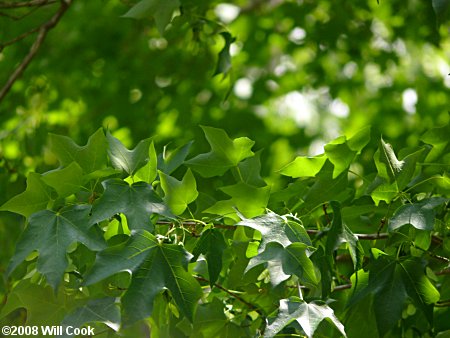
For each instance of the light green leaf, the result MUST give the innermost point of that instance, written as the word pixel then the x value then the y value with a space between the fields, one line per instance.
pixel 90 157
pixel 65 181
pixel 127 160
pixel 178 194
pixel 224 60
pixel 420 215
pixel 279 229
pixel 103 310
pixel 161 11
pixel 149 171
pixel 155 267
pixel 34 198
pixel 304 166
pixel 225 153
pixel 138 202
pixel 212 244
pixel 210 319
pixel 248 171
pixel 51 233
pixel 308 315
pixel 384 192
pixel 249 200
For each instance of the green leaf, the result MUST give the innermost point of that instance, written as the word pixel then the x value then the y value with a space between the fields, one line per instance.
pixel 43 306
pixel 103 310
pixel 65 181
pixel 90 157
pixel 148 172
pixel 138 202
pixel 178 194
pixel 249 200
pixel 212 244
pixel 127 160
pixel 210 319
pixel 339 233
pixel 225 153
pixel 304 166
pixel 394 170
pixel 282 263
pixel 224 60
pixel 155 267
pixel 342 152
pixel 161 11
pixel 168 162
pixel 279 229
pixel 34 198
pixel 308 315
pixel 384 192
pixel 248 171
pixel 51 233
pixel 420 215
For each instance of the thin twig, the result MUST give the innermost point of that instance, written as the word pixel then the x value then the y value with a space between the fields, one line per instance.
pixel 31 3
pixel 43 30
pixel 18 38
pixel 232 294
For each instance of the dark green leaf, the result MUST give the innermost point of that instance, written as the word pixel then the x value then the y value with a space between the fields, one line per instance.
pixel 90 157
pixel 51 233
pixel 65 181
pixel 224 60
pixel 127 160
pixel 420 215
pixel 137 201
pixel 212 244
pixel 169 162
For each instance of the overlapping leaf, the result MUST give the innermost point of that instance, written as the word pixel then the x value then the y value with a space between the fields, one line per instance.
pixel 137 201
pixel 65 181
pixel 155 267
pixel 178 194
pixel 51 233
pixel 90 157
pixel 225 153
pixel 127 160
pixel 36 197
pixel 308 315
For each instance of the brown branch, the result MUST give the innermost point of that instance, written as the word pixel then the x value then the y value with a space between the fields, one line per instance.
pixel 31 3
pixel 43 30
pixel 18 38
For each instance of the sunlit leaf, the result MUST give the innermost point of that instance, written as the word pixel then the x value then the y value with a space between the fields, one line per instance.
pixel 178 194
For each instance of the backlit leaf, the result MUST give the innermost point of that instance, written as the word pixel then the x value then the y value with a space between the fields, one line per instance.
pixel 178 194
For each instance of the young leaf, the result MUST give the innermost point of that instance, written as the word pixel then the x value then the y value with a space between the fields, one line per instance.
pixel 51 233
pixel 138 202
pixel 212 244
pixel 65 181
pixel 249 200
pixel 224 60
pixel 225 153
pixel 420 215
pixel 103 310
pixel 155 267
pixel 304 166
pixel 90 157
pixel 161 11
pixel 34 198
pixel 148 172
pixel 127 160
pixel 178 194
pixel 308 315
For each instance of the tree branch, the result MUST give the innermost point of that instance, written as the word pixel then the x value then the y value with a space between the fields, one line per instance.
pixel 42 33
pixel 31 3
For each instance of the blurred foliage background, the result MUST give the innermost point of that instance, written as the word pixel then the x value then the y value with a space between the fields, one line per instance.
pixel 302 73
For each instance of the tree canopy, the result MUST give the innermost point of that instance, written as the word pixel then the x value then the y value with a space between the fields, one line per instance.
pixel 249 168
